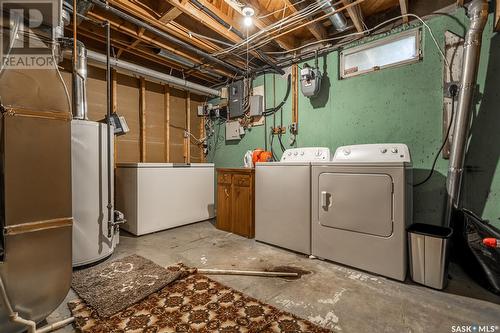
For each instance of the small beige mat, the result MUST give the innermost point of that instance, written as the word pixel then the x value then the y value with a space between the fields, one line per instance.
pixel 113 286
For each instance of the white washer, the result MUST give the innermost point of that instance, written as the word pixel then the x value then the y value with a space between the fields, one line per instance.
pixel 361 206
pixel 283 199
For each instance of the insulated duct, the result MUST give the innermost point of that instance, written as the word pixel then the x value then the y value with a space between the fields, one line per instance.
pixel 130 68
pixel 338 20
pixel 79 78
pixel 478 14
pixel 80 84
pixel 165 35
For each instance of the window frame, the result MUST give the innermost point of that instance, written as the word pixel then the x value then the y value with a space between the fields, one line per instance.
pixel 383 41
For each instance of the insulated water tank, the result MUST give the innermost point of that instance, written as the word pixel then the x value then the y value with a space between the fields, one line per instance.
pixel 90 192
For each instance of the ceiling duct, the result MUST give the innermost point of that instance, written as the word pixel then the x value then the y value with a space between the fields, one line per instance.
pixel 338 20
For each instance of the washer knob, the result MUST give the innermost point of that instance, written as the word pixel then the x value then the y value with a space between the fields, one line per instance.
pixel 289 153
pixel 301 153
pixel 394 150
pixel 347 151
pixel 295 153
pixel 383 150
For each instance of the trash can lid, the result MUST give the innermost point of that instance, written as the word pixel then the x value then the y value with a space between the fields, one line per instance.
pixel 430 230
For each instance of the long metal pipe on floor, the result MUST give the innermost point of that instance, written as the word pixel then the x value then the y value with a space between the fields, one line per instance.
pixel 164 35
pixel 478 14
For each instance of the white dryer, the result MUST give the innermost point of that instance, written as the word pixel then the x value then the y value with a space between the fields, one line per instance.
pixel 283 199
pixel 361 206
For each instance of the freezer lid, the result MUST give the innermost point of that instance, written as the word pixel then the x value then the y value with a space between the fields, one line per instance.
pixel 164 165
pixel 358 202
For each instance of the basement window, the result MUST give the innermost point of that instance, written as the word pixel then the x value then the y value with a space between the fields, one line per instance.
pixel 403 48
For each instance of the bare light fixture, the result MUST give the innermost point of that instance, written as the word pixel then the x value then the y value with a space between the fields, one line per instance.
pixel 247 12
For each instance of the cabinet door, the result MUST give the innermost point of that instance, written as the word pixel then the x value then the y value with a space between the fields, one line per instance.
pixel 242 206
pixel 224 207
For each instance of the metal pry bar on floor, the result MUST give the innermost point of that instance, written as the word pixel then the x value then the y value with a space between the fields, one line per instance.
pixel 209 271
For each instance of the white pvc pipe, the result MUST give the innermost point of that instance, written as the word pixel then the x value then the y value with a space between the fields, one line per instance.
pixel 130 68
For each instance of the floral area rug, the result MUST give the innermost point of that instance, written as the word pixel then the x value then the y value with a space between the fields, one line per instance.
pixel 193 303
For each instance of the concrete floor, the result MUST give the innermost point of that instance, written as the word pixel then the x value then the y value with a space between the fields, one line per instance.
pixel 333 296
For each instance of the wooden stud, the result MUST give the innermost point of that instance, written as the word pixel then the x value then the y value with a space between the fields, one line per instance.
pixel 142 112
pixel 295 93
pixel 404 10
pixel 497 15
pixel 202 135
pixel 187 137
pixel 166 105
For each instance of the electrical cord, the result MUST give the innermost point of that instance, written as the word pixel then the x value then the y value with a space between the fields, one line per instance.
pixel 273 110
pixel 453 92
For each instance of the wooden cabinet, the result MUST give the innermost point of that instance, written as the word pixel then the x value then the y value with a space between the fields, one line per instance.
pixel 235 201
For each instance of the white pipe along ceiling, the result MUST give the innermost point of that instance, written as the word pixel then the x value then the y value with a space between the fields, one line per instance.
pixel 156 76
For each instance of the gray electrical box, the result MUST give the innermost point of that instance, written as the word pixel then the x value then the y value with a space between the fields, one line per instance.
pixel 236 96
pixel 256 105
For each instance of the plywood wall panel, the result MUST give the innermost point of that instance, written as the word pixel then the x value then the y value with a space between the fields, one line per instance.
pixel 155 132
pixel 177 124
pixel 127 105
pixel 196 155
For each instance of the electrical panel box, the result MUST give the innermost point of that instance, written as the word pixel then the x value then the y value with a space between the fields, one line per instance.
pixel 233 130
pixel 236 97
pixel 256 105
pixel 119 124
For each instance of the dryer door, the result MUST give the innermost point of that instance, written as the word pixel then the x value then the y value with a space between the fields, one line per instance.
pixel 359 202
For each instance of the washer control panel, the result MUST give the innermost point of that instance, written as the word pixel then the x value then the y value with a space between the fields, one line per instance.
pixel 307 154
pixel 383 152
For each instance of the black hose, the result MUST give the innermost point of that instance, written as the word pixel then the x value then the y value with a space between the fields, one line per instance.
pixel 453 92
pixel 273 110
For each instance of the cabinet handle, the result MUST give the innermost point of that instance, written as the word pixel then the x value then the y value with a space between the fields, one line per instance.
pixel 226 192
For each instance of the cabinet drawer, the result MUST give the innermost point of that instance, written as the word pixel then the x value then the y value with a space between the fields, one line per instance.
pixel 224 178
pixel 241 180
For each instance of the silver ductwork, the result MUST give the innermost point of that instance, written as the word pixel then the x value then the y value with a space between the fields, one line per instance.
pixel 338 20
pixel 79 77
pixel 478 14
pixel 80 84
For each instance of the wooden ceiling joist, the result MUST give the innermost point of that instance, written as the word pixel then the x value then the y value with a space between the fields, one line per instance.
pixel 356 15
pixel 315 28
pixel 171 15
pixel 403 4
pixel 141 53
pixel 131 32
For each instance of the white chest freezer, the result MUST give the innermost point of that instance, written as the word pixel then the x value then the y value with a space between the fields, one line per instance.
pixel 159 196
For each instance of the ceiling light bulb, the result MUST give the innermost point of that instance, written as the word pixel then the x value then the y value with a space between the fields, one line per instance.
pixel 247 21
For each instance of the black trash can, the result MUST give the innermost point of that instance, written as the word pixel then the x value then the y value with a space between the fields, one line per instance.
pixel 429 254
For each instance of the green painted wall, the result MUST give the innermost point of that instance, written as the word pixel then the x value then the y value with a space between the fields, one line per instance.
pixel 401 104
